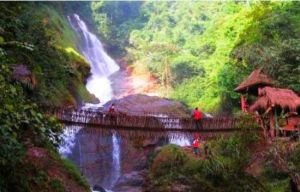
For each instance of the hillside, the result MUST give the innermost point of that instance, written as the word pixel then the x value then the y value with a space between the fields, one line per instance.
pixel 40 70
pixel 200 51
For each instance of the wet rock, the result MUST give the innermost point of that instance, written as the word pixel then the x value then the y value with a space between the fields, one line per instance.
pixel 133 182
pixel 144 105
pixel 98 188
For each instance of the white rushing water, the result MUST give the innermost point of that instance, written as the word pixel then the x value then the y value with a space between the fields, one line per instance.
pixel 116 172
pixel 102 66
pixel 68 139
pixel 183 140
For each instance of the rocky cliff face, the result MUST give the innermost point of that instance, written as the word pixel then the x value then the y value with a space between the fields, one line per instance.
pixel 52 172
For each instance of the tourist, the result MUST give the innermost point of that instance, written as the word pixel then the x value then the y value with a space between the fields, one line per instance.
pixel 196 145
pixel 197 116
pixel 112 114
pixel 111 109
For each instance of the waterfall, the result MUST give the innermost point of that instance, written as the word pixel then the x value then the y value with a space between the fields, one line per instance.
pixel 102 66
pixel 99 84
pixel 116 172
pixel 68 139
pixel 173 139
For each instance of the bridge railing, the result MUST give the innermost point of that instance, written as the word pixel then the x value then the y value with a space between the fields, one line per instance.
pixel 152 122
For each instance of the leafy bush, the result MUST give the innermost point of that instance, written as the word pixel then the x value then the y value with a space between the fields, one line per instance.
pixel 222 171
pixel 25 40
pixel 57 185
pixel 169 160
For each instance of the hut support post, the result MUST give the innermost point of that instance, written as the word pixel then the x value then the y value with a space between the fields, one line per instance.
pixel 272 125
pixel 276 124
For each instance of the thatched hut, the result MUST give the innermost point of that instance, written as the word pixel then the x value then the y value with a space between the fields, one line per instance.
pixel 257 79
pixel 268 102
pixel 272 100
pixel 274 97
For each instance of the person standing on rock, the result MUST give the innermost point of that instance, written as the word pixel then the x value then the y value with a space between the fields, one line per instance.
pixel 197 116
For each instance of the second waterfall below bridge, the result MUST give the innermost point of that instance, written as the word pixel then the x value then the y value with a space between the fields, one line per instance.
pixel 104 157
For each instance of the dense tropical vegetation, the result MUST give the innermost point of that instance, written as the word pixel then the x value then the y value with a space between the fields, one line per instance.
pixel 200 51
pixel 36 37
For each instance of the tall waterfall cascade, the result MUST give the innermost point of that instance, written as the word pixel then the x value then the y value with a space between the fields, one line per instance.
pixel 102 65
pixel 99 84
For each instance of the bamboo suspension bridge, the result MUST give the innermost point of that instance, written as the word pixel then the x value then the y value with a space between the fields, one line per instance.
pixel 153 125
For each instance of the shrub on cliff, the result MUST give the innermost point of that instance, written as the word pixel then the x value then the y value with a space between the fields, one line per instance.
pixel 222 171
pixel 169 160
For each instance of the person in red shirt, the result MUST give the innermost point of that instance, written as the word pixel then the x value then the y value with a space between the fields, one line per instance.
pixel 111 109
pixel 197 116
pixel 196 145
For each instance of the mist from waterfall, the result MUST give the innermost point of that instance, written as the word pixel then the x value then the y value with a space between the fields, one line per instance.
pixel 102 65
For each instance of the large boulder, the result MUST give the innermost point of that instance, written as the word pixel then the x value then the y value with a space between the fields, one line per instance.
pixel 98 188
pixel 148 105
pixel 133 181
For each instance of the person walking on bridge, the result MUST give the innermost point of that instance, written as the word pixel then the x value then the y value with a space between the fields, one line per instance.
pixel 112 114
pixel 197 116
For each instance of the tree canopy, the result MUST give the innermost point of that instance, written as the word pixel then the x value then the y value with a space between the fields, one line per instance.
pixel 201 50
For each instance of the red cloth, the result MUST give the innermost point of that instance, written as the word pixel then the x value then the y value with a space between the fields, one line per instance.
pixel 196 143
pixel 197 115
pixel 243 103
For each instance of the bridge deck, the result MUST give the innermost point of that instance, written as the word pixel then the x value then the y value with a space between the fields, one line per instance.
pixel 154 123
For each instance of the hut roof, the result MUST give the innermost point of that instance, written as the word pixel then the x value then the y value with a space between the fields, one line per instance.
pixel 256 78
pixel 269 96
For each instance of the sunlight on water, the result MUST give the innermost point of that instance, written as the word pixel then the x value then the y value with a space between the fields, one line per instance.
pixel 100 87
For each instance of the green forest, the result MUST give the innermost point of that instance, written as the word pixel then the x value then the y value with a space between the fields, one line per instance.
pixel 201 51
pixel 198 51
